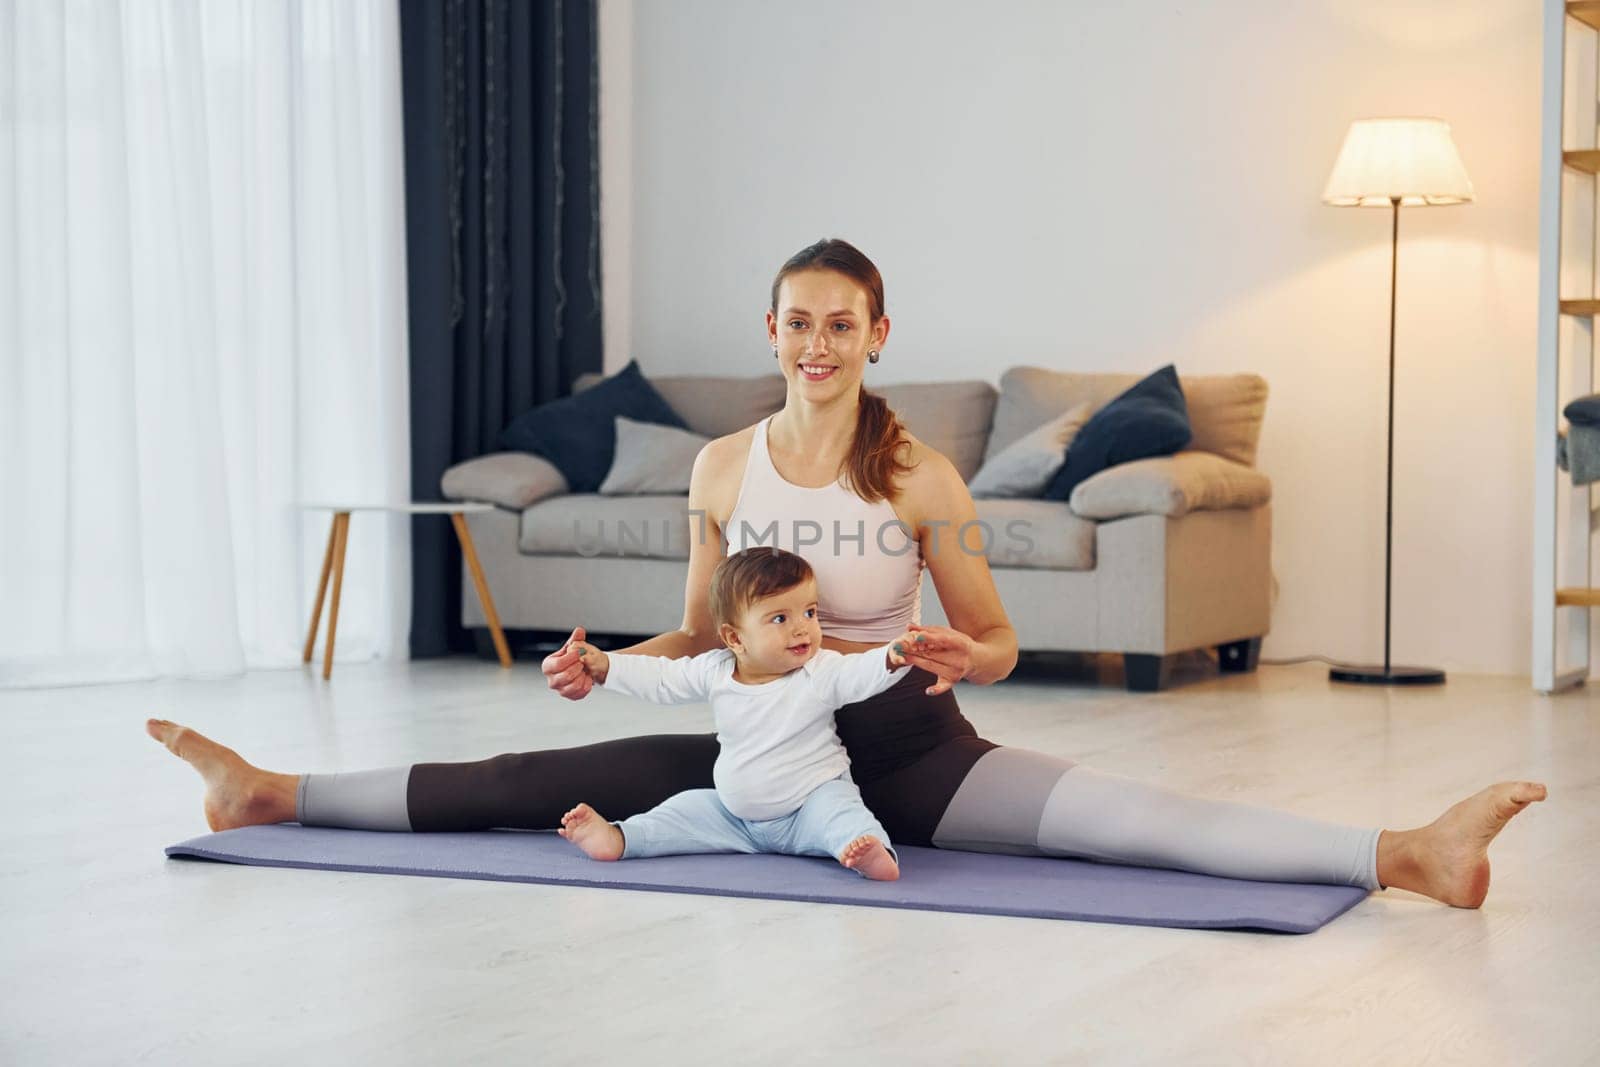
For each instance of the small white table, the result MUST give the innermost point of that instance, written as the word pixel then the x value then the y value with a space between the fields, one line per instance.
pixel 333 562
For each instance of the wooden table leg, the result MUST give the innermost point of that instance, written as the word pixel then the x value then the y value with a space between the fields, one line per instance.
pixel 341 534
pixel 322 589
pixel 459 521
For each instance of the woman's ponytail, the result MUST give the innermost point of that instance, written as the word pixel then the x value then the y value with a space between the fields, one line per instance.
pixel 875 458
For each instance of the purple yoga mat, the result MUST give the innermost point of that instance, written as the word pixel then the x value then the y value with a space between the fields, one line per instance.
pixel 931 879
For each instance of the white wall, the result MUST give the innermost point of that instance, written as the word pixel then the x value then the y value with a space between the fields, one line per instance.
pixel 1110 186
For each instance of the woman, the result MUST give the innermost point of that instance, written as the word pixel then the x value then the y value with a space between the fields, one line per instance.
pixel 835 458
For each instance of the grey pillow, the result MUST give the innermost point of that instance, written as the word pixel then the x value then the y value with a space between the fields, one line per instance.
pixel 1025 467
pixel 651 458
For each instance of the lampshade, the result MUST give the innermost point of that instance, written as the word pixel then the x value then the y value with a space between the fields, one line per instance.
pixel 1410 158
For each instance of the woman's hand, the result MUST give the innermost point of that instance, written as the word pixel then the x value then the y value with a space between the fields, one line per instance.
pixel 565 670
pixel 941 651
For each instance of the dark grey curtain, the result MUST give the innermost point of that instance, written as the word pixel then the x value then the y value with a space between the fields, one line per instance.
pixel 502 241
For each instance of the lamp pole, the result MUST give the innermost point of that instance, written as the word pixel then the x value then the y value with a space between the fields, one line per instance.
pixel 1389 674
pixel 1388 501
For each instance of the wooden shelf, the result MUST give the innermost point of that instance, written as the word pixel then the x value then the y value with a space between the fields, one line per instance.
pixel 1560 531
pixel 1586 12
pixel 1584 159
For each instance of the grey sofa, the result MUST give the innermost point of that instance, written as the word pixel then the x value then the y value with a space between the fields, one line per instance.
pixel 1147 560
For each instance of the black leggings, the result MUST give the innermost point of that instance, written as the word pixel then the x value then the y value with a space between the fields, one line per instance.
pixel 532 790
pixel 909 754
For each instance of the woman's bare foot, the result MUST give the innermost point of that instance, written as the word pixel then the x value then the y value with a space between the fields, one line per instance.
pixel 1448 859
pixel 599 839
pixel 869 856
pixel 237 794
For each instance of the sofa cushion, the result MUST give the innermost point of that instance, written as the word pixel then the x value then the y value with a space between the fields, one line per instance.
pixel 1042 534
pixel 1150 419
pixel 952 417
pixel 651 459
pixel 1225 411
pixel 1171 486
pixel 1016 533
pixel 714 405
pixel 511 479
pixel 587 524
pixel 576 433
pixel 1025 467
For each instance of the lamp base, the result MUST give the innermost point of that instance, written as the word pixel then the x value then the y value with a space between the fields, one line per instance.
pixel 1392 676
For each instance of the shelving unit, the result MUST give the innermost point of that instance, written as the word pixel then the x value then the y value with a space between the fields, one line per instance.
pixel 1563 582
pixel 1586 12
pixel 1586 160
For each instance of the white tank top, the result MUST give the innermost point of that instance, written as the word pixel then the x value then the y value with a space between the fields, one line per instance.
pixel 868 564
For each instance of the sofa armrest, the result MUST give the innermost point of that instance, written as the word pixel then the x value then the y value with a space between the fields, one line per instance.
pixel 1171 486
pixel 511 479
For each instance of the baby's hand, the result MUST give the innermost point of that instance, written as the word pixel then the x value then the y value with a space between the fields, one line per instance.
pixel 564 671
pixel 898 647
pixel 594 662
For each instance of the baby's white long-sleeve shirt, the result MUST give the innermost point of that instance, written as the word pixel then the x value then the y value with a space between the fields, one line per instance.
pixel 778 741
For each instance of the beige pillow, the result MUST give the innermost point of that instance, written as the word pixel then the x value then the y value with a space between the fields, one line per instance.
pixel 511 479
pixel 1026 466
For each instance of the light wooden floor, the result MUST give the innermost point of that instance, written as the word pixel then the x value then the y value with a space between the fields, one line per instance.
pixel 113 954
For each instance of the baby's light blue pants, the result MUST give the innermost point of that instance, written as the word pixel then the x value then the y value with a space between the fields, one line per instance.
pixel 696 821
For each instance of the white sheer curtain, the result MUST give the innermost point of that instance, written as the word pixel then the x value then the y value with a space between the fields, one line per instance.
pixel 202 324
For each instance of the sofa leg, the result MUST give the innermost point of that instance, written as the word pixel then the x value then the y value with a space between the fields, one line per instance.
pixel 1239 657
pixel 1145 673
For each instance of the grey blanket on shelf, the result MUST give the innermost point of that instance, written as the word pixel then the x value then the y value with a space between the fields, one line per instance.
pixel 1578 451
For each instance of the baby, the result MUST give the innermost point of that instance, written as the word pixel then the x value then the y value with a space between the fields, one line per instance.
pixel 782 777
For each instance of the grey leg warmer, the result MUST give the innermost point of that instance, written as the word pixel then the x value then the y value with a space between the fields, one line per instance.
pixel 1025 802
pixel 358 800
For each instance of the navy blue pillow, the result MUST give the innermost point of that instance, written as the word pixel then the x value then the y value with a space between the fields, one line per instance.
pixel 1150 419
pixel 578 433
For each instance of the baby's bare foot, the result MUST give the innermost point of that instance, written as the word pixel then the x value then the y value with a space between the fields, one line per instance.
pixel 1449 858
pixel 237 794
pixel 599 839
pixel 869 856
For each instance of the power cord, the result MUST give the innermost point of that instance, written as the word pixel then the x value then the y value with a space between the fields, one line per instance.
pixel 1301 659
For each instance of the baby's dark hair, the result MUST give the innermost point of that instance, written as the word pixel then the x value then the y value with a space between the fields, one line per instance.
pixel 748 576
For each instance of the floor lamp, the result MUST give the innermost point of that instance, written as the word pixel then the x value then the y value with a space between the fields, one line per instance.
pixel 1395 163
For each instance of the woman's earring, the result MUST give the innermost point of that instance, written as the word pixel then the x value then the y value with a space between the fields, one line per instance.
pixel 872 357
pixel 774 351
